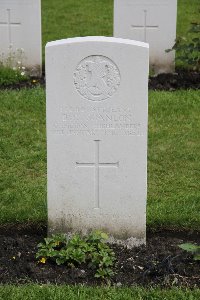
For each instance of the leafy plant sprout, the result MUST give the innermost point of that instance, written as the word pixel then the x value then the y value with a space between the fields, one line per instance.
pixel 188 53
pixel 192 248
pixel 76 250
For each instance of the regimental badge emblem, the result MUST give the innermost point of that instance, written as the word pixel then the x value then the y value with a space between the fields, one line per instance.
pixel 96 78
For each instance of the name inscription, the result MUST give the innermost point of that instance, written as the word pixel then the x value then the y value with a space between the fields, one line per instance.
pixel 92 121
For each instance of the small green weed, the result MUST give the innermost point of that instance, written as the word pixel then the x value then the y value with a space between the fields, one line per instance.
pixel 188 53
pixel 194 249
pixel 76 250
pixel 12 69
pixel 10 76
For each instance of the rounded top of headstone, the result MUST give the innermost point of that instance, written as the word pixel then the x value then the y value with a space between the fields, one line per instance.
pixel 97 39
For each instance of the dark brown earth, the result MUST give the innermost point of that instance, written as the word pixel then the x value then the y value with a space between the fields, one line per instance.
pixel 182 79
pixel 171 82
pixel 161 263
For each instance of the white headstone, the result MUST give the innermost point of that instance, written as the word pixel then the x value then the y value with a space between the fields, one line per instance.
pixel 20 33
pixel 97 135
pixel 151 21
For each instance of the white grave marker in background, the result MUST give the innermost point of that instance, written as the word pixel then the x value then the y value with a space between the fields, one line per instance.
pixel 20 33
pixel 151 21
pixel 97 135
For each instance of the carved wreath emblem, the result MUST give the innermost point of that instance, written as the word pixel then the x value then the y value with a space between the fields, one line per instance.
pixel 96 78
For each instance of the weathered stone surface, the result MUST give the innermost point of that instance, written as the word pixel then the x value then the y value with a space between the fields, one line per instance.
pixel 97 135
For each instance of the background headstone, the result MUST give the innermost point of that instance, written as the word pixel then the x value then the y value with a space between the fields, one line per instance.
pixel 97 135
pixel 20 34
pixel 151 21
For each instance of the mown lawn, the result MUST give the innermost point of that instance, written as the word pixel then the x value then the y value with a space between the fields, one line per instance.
pixel 173 158
pixel 22 155
pixel 50 292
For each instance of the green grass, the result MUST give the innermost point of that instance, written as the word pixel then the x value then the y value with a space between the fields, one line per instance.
pixel 22 155
pixel 188 11
pixel 64 19
pixel 173 158
pixel 50 292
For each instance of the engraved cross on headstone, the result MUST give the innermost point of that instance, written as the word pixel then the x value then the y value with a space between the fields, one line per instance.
pixel 9 23
pixel 145 26
pixel 96 166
